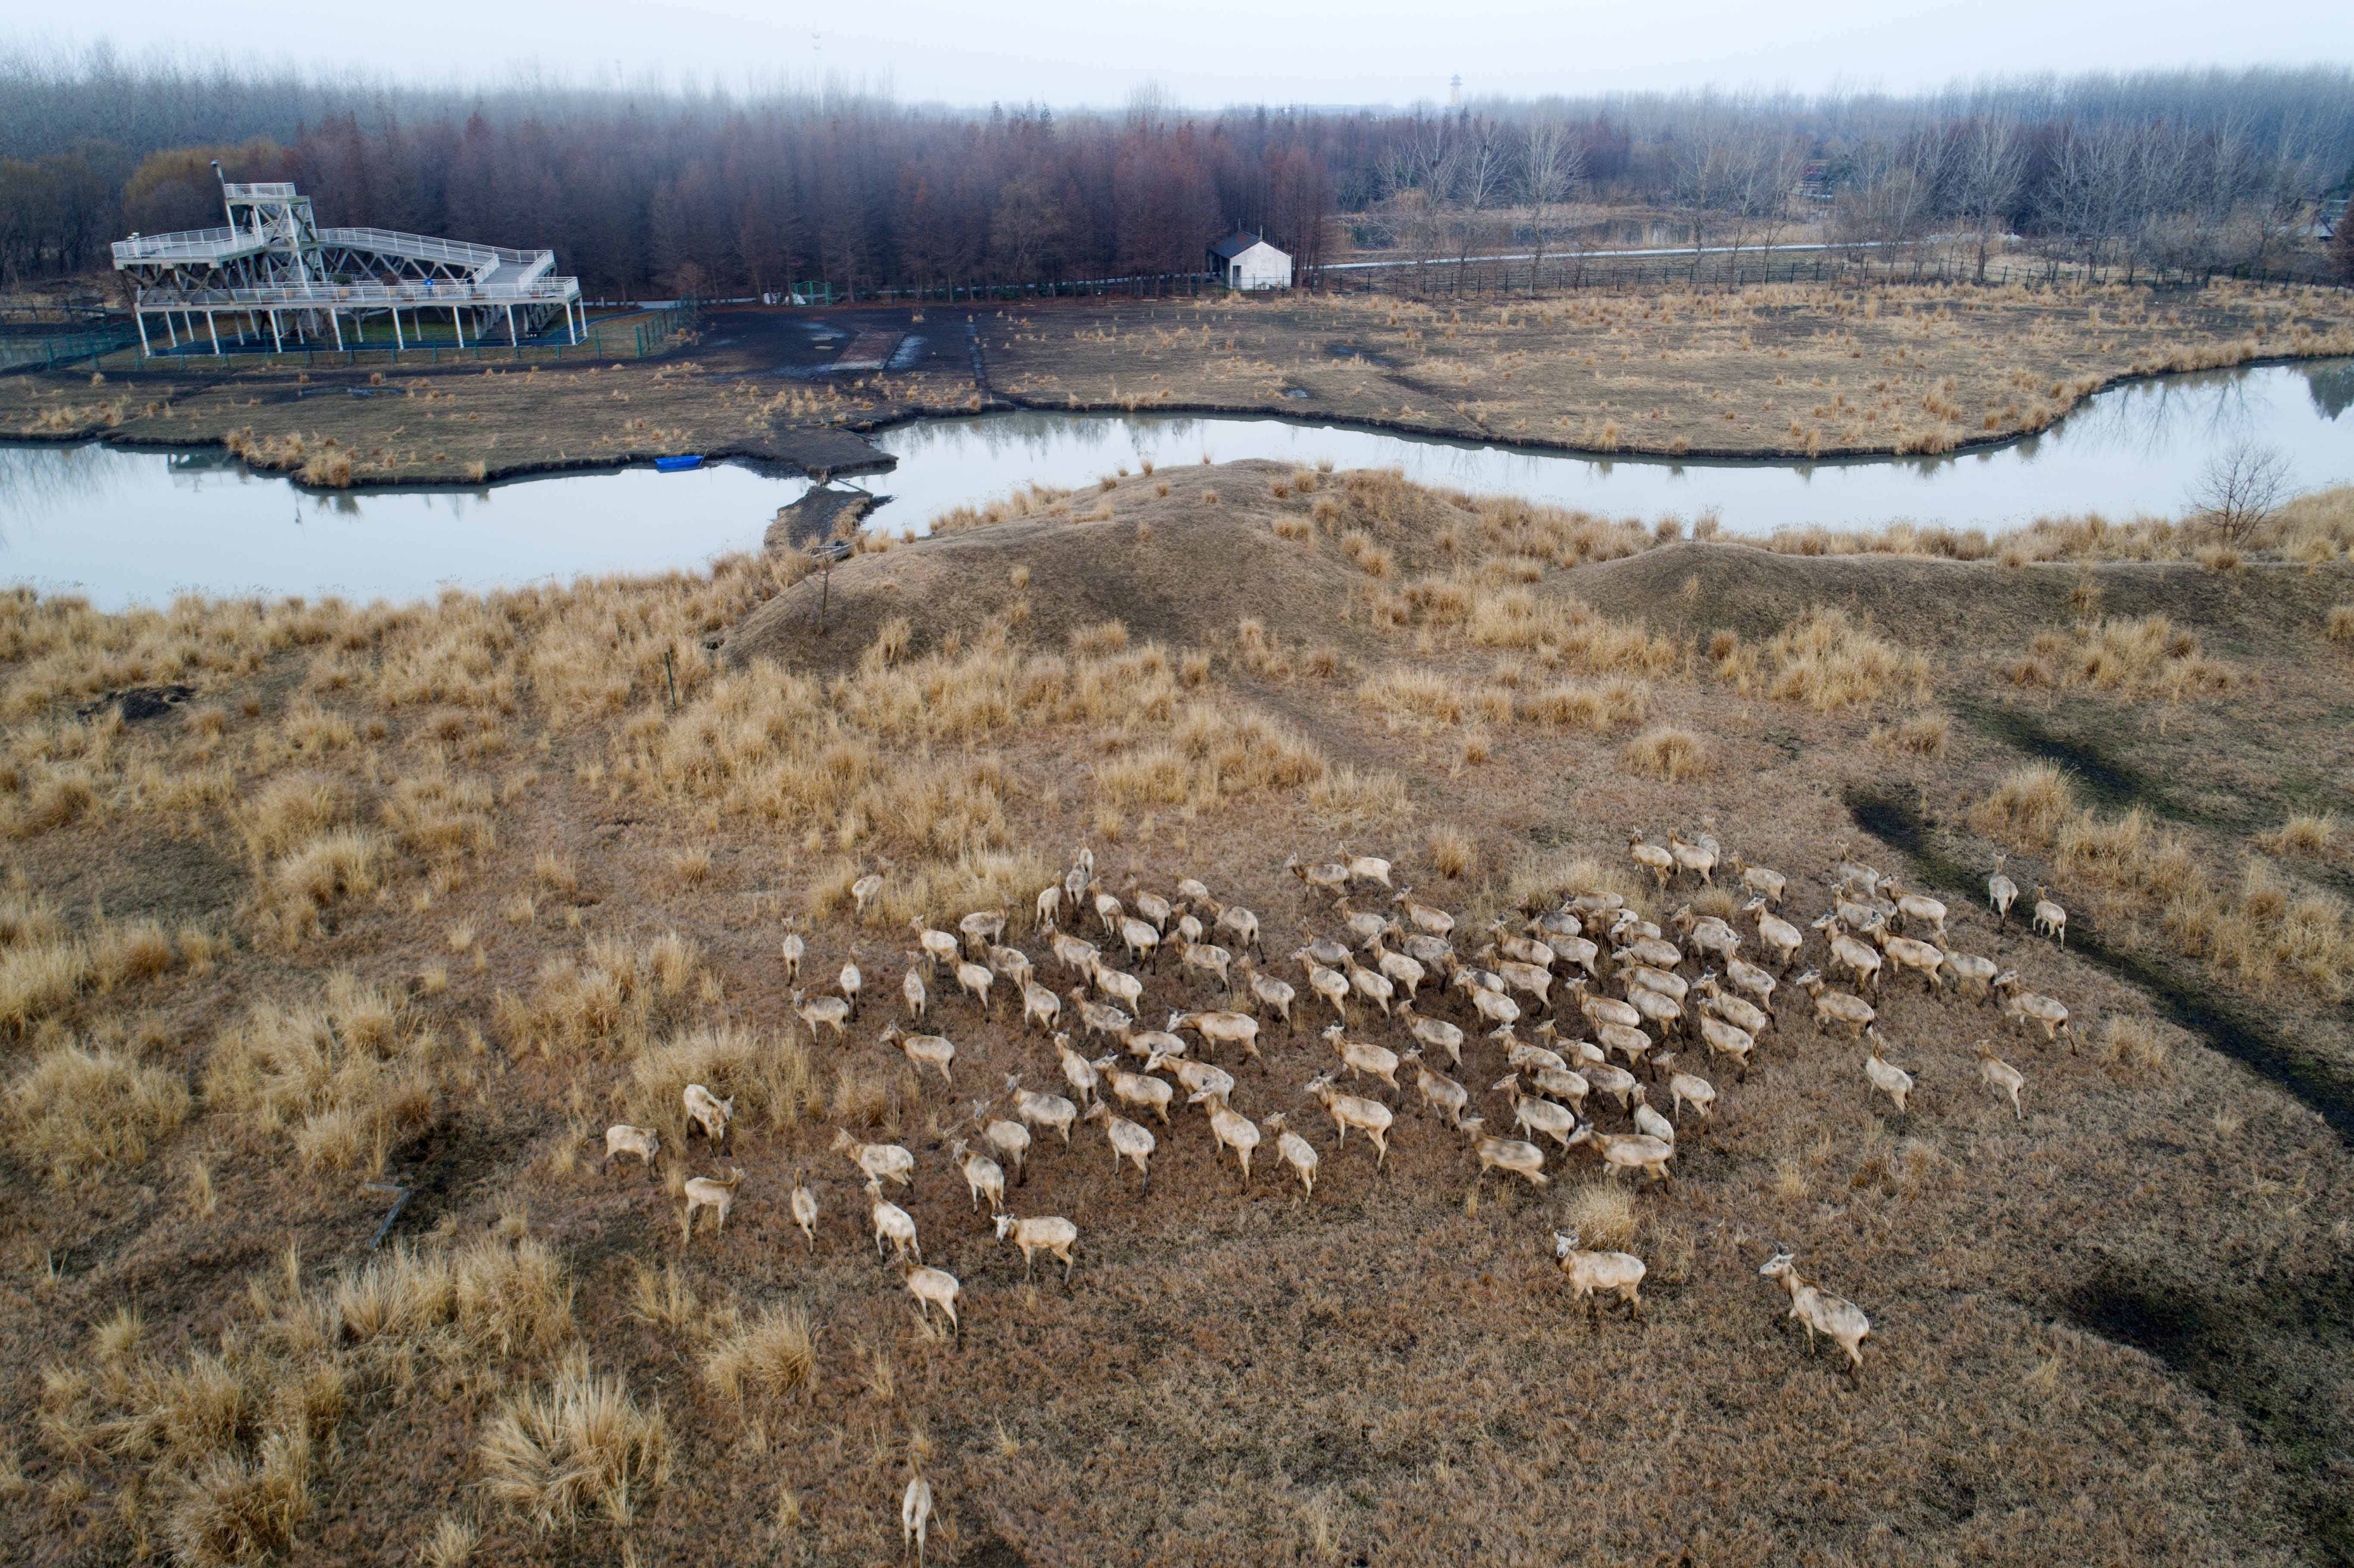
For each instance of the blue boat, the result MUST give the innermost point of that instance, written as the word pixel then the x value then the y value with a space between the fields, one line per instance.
pixel 677 464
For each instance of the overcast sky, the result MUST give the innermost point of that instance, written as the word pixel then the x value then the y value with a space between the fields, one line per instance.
pixel 1208 53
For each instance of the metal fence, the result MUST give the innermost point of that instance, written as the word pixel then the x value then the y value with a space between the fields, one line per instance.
pixel 1577 271
pixel 34 342
pixel 631 337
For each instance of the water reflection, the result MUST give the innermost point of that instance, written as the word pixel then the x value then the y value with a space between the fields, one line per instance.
pixel 136 527
pixel 2133 449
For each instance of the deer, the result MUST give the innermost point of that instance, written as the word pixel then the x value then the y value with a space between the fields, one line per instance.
pixel 1049 1234
pixel 1369 1117
pixel 1835 1317
pixel 1886 1076
pixel 1525 1160
pixel 1439 1092
pixel 922 1050
pixel 1588 1272
pixel 982 1176
pixel 1331 877
pixel 1430 920
pixel 2002 893
pixel 1849 954
pixel 713 1192
pixel 1129 1141
pixel 823 1012
pixel 2051 919
pixel 1220 1029
pixel 863 892
pixel 1041 1110
pixel 2023 1006
pixel 1659 862
pixel 1232 1128
pixel 804 1207
pixel 1687 1089
pixel 1295 1151
pixel 894 1224
pixel 877 1161
pixel 1361 1058
pixel 1533 1114
pixel 706 1112
pixel 2000 1077
pixel 1267 991
pixel 642 1141
pixel 1836 1006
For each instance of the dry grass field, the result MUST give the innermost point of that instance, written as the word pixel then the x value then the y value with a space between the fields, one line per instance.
pixel 1779 369
pixel 1788 369
pixel 443 426
pixel 428 896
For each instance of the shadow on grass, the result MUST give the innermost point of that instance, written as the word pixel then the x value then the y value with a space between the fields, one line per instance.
pixel 2222 1024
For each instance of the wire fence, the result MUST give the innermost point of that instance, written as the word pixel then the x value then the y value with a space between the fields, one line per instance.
pixel 1575 271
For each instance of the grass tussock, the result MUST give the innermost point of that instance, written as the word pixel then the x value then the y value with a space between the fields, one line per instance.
pixel 1212 756
pixel 769 1078
pixel 76 1108
pixel 1603 1215
pixel 1546 882
pixel 1829 661
pixel 1668 754
pixel 1925 736
pixel 775 1353
pixel 581 1445
pixel 610 999
pixel 38 977
pixel 2149 656
pixel 2027 808
pixel 337 1080
pixel 1587 705
pixel 1454 853
pixel 2315 837
pixel 496 1297
pixel 2338 626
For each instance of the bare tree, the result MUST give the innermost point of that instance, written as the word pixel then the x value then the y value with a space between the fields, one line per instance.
pixel 1420 169
pixel 1993 160
pixel 2241 488
pixel 1702 145
pixel 1553 161
pixel 1764 175
pixel 1482 171
pixel 1887 198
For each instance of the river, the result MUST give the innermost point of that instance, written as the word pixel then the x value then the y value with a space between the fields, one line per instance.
pixel 127 527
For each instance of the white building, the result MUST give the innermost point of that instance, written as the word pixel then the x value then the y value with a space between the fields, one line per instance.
pixel 1246 261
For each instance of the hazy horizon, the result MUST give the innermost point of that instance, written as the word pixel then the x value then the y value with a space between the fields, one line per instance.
pixel 1379 55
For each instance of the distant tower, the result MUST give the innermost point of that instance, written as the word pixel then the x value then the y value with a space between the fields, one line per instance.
pixel 1455 92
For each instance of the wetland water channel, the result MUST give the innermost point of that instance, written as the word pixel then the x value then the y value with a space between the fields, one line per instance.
pixel 130 528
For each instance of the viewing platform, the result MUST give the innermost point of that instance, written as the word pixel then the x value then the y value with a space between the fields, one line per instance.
pixel 271 271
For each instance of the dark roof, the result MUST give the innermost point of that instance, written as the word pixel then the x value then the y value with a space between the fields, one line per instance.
pixel 1235 244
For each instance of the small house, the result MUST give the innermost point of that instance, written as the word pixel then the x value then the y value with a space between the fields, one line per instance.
pixel 1243 261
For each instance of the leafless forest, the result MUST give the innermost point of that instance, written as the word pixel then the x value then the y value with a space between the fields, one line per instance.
pixel 644 191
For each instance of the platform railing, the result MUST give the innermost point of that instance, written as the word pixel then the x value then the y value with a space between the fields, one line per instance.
pixel 296 296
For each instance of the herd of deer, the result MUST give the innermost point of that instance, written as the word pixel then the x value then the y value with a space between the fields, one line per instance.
pixel 1598 988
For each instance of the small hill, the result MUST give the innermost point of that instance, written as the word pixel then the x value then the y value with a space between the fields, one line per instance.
pixel 1182 555
pixel 1168 566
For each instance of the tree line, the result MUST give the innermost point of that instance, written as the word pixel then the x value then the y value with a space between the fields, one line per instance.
pixel 645 193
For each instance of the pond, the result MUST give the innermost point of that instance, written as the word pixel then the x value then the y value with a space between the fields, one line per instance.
pixel 127 527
